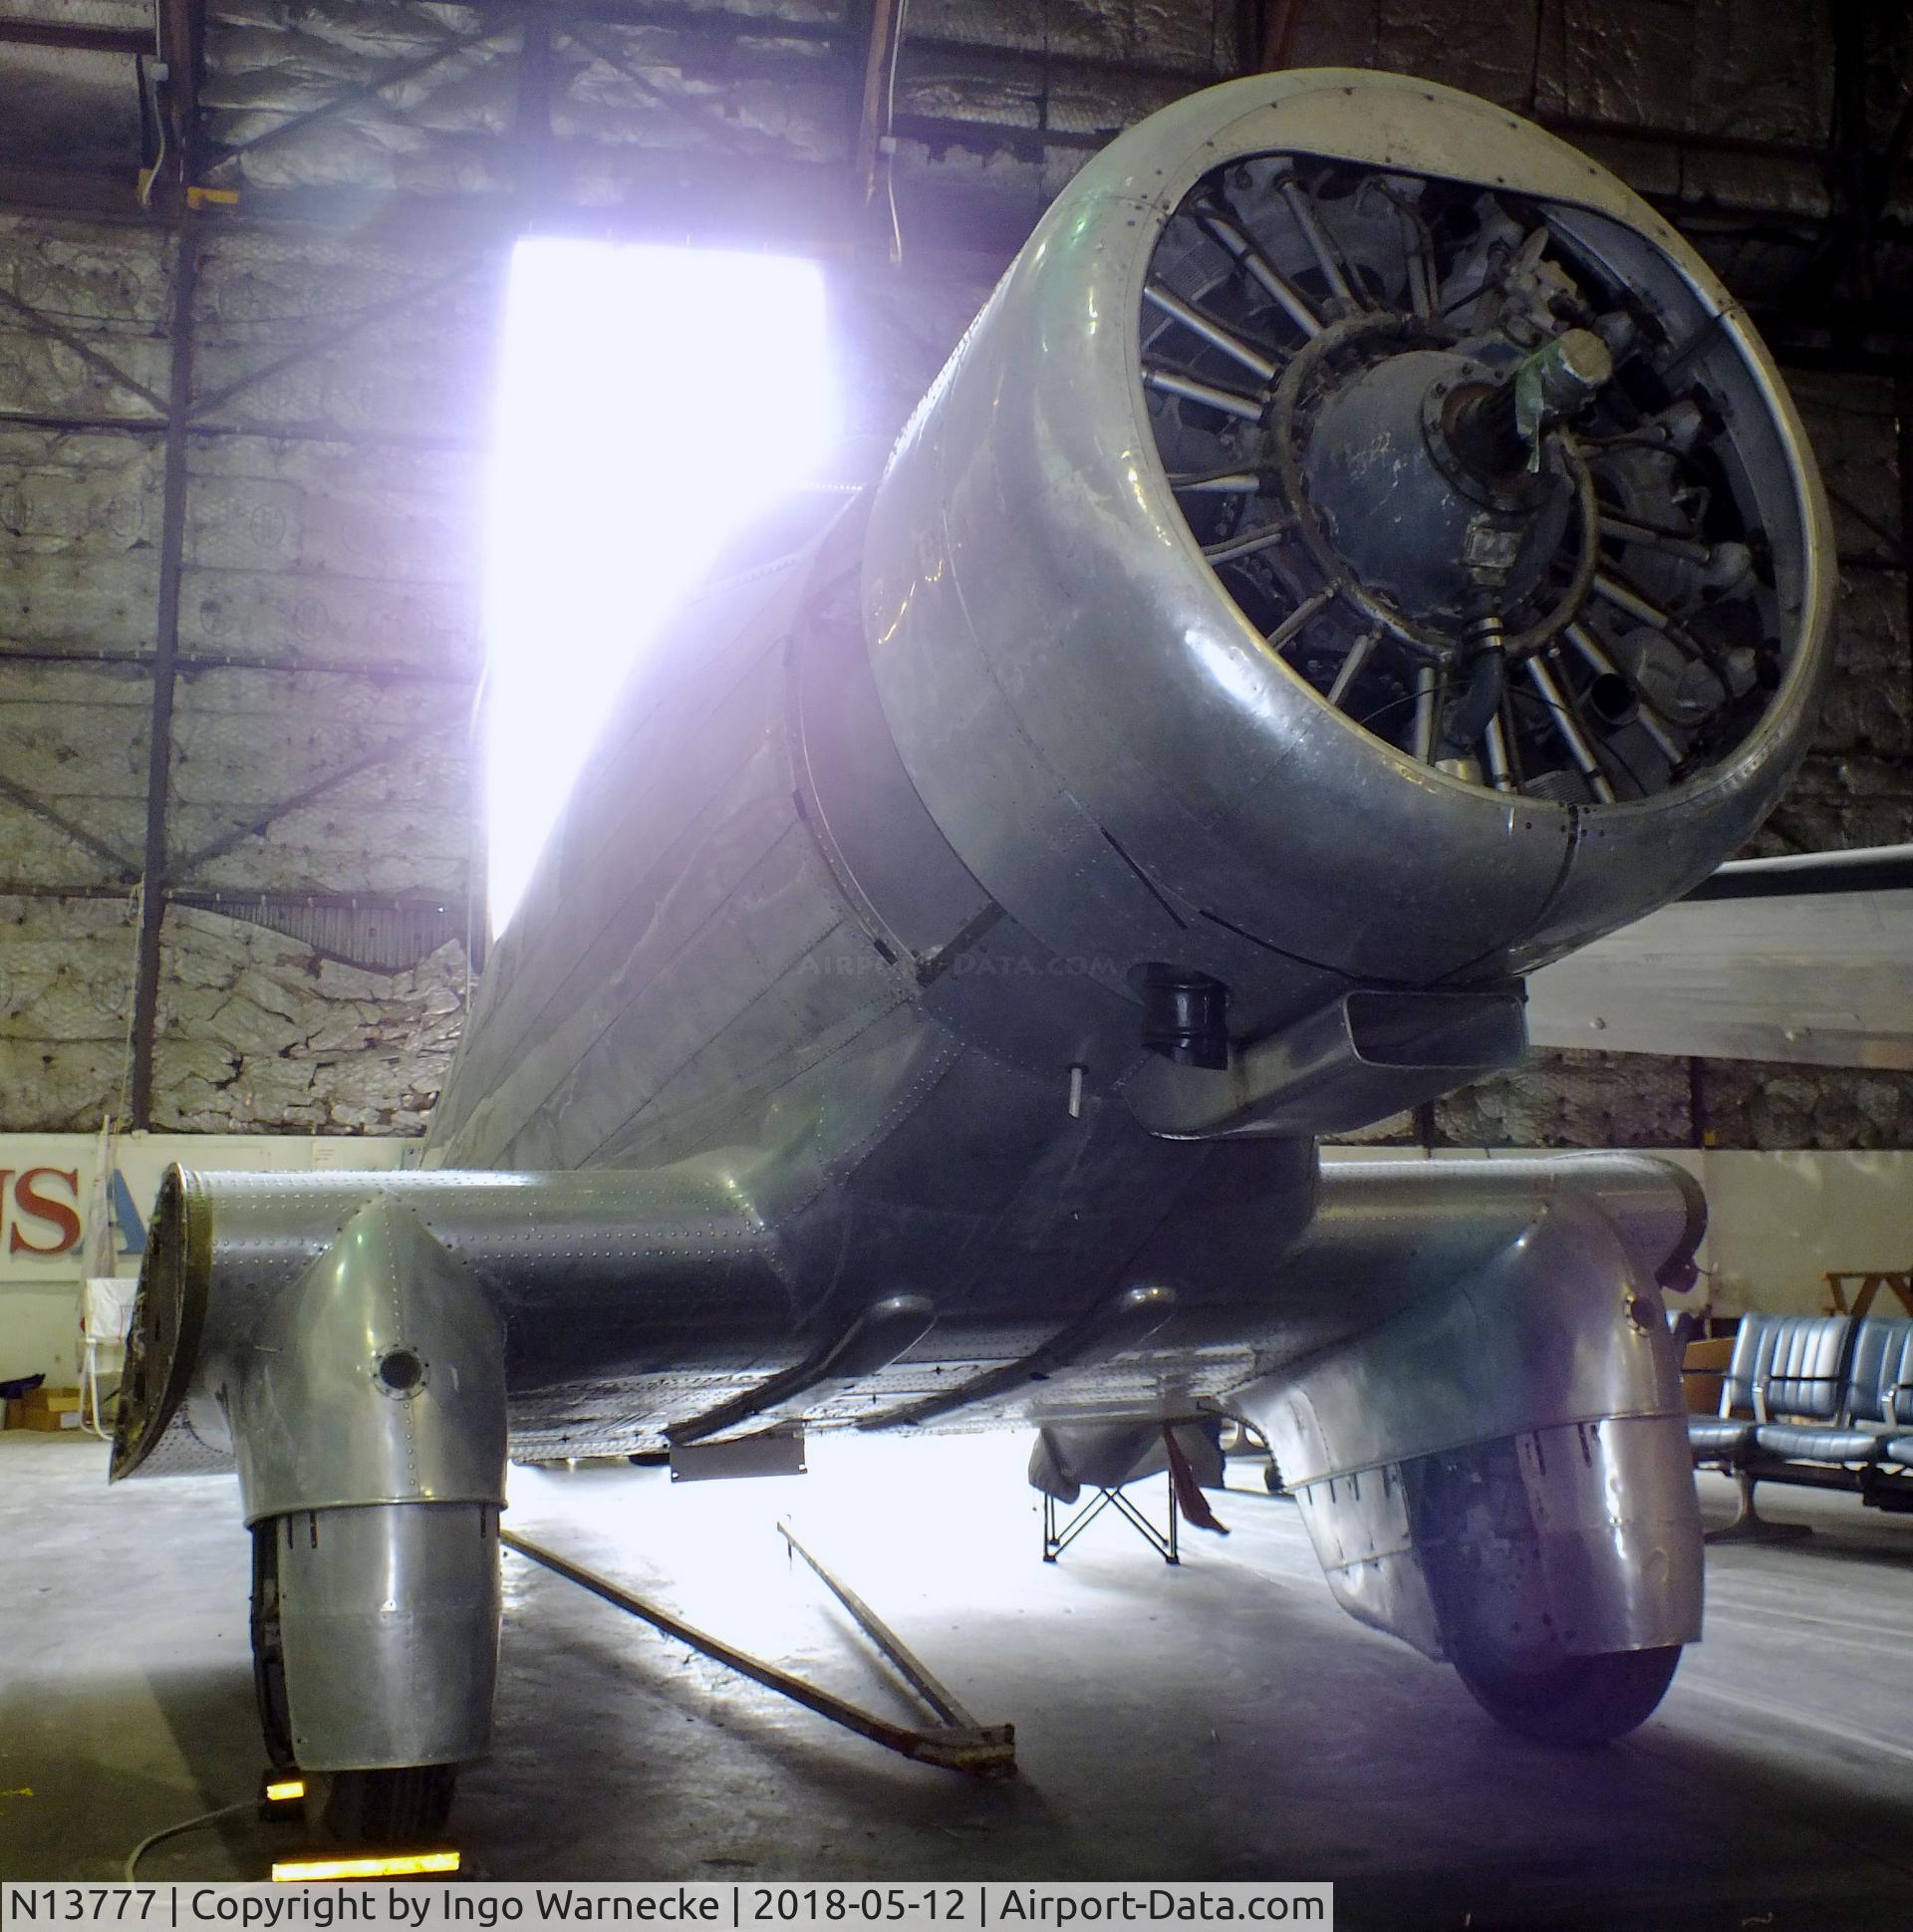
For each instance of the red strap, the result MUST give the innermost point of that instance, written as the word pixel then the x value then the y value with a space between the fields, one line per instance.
pixel 1188 1493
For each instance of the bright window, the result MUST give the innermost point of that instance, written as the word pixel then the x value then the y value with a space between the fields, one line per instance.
pixel 652 403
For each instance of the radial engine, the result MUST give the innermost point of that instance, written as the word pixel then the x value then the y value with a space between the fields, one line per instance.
pixel 1360 550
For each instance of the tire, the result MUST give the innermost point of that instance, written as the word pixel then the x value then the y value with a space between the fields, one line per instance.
pixel 408 1807
pixel 268 1659
pixel 1575 1701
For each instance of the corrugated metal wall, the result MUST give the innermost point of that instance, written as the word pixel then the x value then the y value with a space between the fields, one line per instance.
pixel 240 469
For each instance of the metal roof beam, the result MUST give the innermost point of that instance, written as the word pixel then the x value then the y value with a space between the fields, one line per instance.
pixel 183 46
pixel 73 39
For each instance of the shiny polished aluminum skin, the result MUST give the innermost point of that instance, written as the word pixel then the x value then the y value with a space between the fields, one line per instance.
pixel 378 1377
pixel 366 1405
pixel 810 1086
pixel 1525 1424
pixel 390 1616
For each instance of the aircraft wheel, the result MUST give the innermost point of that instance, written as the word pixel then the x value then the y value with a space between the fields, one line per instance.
pixel 1579 1701
pixel 268 1658
pixel 408 1807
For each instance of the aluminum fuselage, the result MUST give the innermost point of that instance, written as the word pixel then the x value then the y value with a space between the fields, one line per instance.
pixel 692 985
pixel 844 918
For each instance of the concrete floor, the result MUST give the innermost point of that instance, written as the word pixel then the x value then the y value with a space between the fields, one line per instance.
pixel 1221 1721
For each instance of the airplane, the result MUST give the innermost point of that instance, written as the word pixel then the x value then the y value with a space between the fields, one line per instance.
pixel 1358 556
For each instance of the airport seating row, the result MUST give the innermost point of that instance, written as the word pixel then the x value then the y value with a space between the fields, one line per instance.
pixel 1820 1401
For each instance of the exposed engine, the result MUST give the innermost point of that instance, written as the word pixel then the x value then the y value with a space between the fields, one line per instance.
pixel 1467 480
pixel 1359 550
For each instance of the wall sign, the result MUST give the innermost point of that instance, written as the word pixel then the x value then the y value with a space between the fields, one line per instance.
pixel 49 1192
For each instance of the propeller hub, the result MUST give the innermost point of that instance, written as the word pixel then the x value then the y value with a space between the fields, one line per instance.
pixel 1406 464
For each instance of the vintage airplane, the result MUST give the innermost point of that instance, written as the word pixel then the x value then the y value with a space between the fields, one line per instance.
pixel 1358 556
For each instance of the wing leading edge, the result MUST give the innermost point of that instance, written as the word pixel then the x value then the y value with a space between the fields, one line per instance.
pixel 1796 958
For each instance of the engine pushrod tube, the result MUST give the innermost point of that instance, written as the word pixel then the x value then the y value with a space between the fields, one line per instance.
pixel 1427 708
pixel 1211 330
pixel 1307 220
pixel 1634 604
pixel 1235 243
pixel 1674 544
pixel 1568 730
pixel 1302 614
pixel 1219 482
pixel 1170 382
pixel 1247 544
pixel 1359 654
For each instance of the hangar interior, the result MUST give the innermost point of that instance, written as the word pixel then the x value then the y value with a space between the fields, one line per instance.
pixel 254 263
pixel 244 453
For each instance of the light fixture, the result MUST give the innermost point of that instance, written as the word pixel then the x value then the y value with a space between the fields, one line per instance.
pixel 652 403
pixel 370 1864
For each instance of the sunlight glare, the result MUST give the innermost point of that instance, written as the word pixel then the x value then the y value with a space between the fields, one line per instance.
pixel 652 403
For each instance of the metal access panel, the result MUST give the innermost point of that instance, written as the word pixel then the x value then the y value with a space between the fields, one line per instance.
pixel 780 1454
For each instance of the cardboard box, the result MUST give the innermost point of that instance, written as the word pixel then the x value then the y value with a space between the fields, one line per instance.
pixel 43 1401
pixel 52 1419
pixel 45 1409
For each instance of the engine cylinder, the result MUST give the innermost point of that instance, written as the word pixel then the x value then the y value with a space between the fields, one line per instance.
pixel 1359 545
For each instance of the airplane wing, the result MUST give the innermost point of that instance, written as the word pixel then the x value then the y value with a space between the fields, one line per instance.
pixel 1801 959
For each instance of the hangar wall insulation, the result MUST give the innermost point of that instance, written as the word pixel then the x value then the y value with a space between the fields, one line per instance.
pixel 241 449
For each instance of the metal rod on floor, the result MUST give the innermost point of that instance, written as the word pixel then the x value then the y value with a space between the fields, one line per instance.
pixel 880 1633
pixel 984 1751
